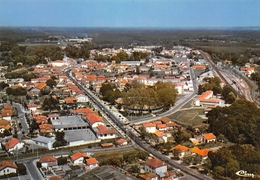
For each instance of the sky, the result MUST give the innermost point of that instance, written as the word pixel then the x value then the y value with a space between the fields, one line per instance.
pixel 131 13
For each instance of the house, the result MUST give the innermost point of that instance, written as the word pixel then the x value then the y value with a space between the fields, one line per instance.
pixel 46 129
pixel 70 100
pixel 161 136
pixel 7 167
pixel 165 120
pixel 150 127
pixel 155 166
pixel 121 142
pixel 161 127
pixel 181 150
pixel 78 158
pixel 202 153
pixel 48 161
pixel 55 178
pixel 7 114
pixel 81 98
pixel 148 176
pixel 32 107
pixel 209 137
pixel 104 133
pixel 41 119
pixel 4 125
pixel 91 163
pixel 107 145
pixel 14 144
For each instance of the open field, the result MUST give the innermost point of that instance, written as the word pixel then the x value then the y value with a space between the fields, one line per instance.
pixel 188 117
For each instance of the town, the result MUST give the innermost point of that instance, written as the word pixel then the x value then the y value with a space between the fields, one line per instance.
pixel 142 112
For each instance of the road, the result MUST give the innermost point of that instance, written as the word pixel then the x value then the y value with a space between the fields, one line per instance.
pixel 22 119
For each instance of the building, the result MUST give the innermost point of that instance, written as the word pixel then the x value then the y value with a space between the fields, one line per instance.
pixel 150 127
pixel 209 137
pixel 91 163
pixel 206 99
pixel 155 166
pixel 7 167
pixel 14 144
pixel 44 141
pixel 48 161
pixel 105 133
pixel 181 150
pixel 78 158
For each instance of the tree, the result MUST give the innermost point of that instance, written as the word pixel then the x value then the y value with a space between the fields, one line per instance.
pixel 59 137
pixel 51 83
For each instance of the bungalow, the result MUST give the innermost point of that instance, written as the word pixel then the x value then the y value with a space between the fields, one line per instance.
pixel 32 107
pixel 7 167
pixel 161 136
pixel 4 125
pixel 148 176
pixel 202 153
pixel 121 142
pixel 46 129
pixel 78 158
pixel 181 150
pixel 70 100
pixel 55 178
pixel 40 119
pixel 209 137
pixel 150 127
pixel 104 133
pixel 165 120
pixel 155 166
pixel 48 161
pixel 81 98
pixel 14 144
pixel 7 114
pixel 91 163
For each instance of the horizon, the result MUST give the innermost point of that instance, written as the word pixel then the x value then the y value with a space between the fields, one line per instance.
pixel 150 14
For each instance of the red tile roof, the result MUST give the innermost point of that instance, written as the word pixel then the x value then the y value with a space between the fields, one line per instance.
pixel 92 118
pixel 209 136
pixel 205 95
pixel 181 148
pixel 5 164
pixel 82 110
pixel 91 161
pixel 6 113
pixel 41 86
pixel 149 125
pixel 48 159
pixel 8 107
pixel 104 130
pixel 78 155
pixel 165 120
pixel 154 163
pixel 55 178
pixel 161 126
pixel 120 141
pixel 11 143
pixel 70 100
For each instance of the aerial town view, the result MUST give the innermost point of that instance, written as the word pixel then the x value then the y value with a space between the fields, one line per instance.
pixel 129 90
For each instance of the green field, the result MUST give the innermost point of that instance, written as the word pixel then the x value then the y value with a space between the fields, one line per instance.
pixel 188 117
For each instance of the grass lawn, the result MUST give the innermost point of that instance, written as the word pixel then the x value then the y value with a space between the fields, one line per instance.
pixel 188 117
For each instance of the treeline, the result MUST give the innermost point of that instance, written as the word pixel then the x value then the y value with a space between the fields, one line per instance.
pixel 31 55
pixel 237 58
pixel 122 56
pixel 225 162
pixel 239 123
pixel 228 92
